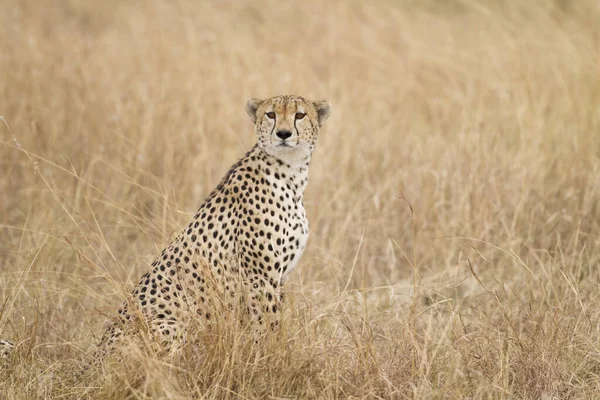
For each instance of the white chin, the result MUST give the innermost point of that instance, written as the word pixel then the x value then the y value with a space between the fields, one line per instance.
pixel 290 155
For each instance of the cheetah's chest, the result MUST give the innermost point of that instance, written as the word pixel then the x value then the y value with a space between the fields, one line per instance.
pixel 301 238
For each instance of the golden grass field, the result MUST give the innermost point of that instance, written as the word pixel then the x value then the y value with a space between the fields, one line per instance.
pixel 454 196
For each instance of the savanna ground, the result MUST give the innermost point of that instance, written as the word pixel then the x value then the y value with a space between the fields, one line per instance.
pixel 454 196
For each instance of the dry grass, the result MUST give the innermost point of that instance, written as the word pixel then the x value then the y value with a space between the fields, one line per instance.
pixel 454 196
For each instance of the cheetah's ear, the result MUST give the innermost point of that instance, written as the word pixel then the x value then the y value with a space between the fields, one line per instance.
pixel 251 107
pixel 323 108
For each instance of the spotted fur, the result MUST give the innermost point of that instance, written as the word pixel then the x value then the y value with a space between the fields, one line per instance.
pixel 245 239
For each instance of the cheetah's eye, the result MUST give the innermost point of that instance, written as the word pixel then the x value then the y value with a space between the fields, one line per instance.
pixel 271 115
pixel 300 115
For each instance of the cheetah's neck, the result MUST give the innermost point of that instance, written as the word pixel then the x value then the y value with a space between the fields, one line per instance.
pixel 295 177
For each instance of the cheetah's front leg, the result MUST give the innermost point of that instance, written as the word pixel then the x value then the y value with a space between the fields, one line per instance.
pixel 265 305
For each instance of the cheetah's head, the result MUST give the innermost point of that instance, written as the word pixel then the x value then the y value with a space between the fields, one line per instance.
pixel 287 126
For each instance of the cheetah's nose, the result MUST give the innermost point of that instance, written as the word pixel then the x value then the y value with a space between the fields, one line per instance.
pixel 284 134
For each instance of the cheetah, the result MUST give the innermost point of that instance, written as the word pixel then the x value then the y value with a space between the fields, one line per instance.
pixel 244 240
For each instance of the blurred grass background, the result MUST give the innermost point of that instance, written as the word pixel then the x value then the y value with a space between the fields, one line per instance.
pixel 454 197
